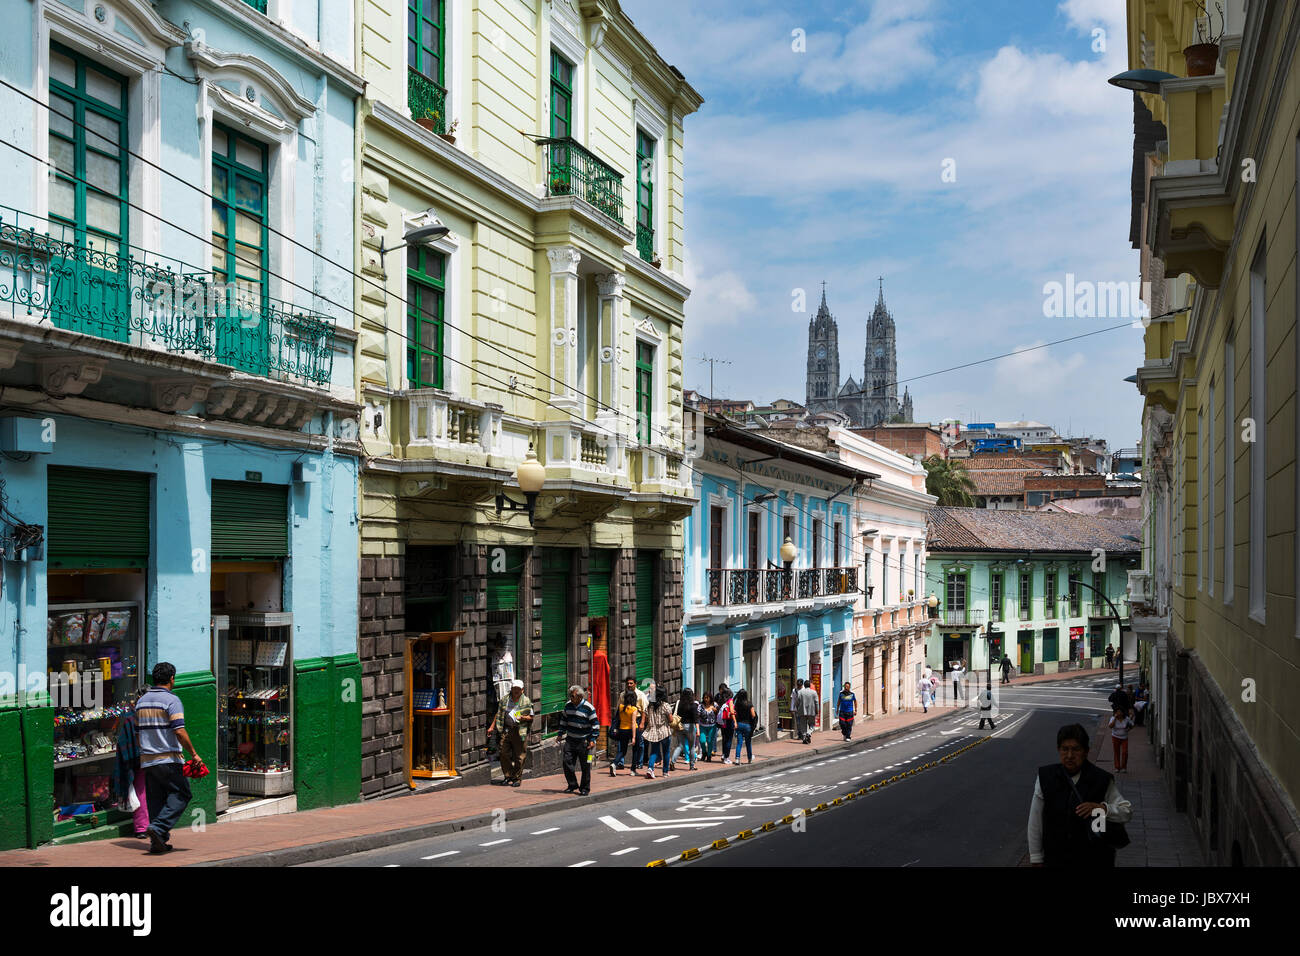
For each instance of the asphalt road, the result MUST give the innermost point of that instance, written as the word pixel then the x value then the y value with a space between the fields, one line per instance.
pixel 970 811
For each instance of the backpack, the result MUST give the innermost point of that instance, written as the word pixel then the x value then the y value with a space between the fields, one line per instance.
pixel 725 714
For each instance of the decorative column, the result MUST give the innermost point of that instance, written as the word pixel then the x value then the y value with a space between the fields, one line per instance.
pixel 564 324
pixel 609 308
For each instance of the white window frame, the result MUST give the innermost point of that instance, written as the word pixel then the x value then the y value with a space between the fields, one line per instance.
pixel 727 503
pixel 455 340
pixel 761 511
pixel 570 46
pixel 646 116
pixel 1259 413
pixel 647 331
pixel 789 511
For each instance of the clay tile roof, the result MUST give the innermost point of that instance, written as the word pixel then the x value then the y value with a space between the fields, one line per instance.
pixel 978 529
pixel 1000 481
pixel 991 462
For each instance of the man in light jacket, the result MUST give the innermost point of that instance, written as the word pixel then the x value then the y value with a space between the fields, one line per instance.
pixel 809 703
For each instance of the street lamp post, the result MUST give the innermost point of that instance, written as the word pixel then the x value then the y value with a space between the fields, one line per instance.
pixel 531 475
pixel 1119 622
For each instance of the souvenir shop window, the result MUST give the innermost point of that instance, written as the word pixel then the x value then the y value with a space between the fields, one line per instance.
pixel 93 651
pixel 431 704
pixel 255 674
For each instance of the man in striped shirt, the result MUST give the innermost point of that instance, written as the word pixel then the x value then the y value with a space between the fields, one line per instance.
pixel 579 728
pixel 161 722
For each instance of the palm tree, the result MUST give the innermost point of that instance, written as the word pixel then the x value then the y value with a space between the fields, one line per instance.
pixel 948 481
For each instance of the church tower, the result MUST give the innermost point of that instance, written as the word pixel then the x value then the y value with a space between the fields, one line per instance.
pixel 823 379
pixel 880 368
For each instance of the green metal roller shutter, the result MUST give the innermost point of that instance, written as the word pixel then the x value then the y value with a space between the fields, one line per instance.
pixel 97 518
pixel 555 632
pixel 249 520
pixel 645 615
pixel 598 584
pixel 503 586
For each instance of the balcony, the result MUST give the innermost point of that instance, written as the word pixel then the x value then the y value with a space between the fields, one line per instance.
pixel 1100 610
pixel 427 101
pixel 736 587
pixel 961 617
pixel 571 170
pixel 645 242
pixel 124 294
pixel 440 420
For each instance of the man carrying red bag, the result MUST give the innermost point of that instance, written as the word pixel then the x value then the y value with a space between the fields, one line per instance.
pixel 161 719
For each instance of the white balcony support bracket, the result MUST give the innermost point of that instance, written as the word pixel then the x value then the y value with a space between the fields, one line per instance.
pixel 610 311
pixel 564 324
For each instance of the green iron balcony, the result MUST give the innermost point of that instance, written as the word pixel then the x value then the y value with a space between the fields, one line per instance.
pixel 427 100
pixel 645 242
pixel 258 5
pixel 121 293
pixel 573 171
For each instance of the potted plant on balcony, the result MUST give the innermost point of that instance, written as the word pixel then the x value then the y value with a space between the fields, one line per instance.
pixel 559 185
pixel 450 135
pixel 429 122
pixel 1203 55
pixel 656 261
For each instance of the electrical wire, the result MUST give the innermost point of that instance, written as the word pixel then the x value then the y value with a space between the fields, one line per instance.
pixel 320 255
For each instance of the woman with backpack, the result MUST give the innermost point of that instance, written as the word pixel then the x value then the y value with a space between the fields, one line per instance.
pixel 687 711
pixel 708 713
pixel 727 721
pixel 658 731
pixel 746 720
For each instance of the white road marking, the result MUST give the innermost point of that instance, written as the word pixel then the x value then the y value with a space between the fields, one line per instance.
pixel 496 842
pixel 389 865
pixel 547 830
pixel 439 856
pixel 630 849
pixel 583 863
pixel 666 839
pixel 841 783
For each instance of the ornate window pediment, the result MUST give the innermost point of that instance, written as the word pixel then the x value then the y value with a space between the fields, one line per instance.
pixel 128 31
pixel 250 88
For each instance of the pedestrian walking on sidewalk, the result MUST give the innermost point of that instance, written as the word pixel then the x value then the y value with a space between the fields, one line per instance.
pixel 957 672
pixel 986 708
pixel 579 728
pixel 746 721
pixel 795 708
pixel 628 728
pixel 1119 699
pixel 923 690
pixel 688 712
pixel 1140 705
pixel 638 753
pixel 161 718
pixel 513 718
pixel 846 709
pixel 658 731
pixel 1110 655
pixel 708 727
pixel 726 721
pixel 1006 669
pixel 809 703
pixel 1063 816
pixel 1120 724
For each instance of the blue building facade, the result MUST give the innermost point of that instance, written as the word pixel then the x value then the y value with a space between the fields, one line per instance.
pixel 178 418
pixel 751 620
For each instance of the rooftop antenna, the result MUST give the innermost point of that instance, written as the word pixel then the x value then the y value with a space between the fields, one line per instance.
pixel 712 362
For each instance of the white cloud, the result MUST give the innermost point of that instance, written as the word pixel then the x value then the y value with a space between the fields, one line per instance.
pixel 718 299
pixel 879 54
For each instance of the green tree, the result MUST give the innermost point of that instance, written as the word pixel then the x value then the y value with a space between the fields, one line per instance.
pixel 948 481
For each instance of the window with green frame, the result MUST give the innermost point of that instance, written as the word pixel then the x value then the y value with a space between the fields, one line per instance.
pixel 1051 650
pixel 90 290
pixel 561 96
pixel 240 240
pixel 1026 595
pixel 645 374
pixel 1049 594
pixel 1073 590
pixel 995 596
pixel 645 186
pixel 1099 592
pixel 426 38
pixel 425 300
pixel 956 588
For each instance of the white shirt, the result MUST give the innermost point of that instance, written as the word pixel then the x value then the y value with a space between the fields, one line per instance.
pixel 957 672
pixel 1118 810
pixel 923 686
pixel 986 701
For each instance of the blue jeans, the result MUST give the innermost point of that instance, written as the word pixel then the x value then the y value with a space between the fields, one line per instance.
pixel 709 739
pixel 686 742
pixel 744 734
pixel 658 750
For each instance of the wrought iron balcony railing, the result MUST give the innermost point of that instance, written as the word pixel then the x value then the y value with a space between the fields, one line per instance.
pixel 779 585
pixel 1101 610
pixel 427 100
pixel 961 616
pixel 125 294
pixel 571 170
pixel 645 242
pixel 744 586
pixel 730 587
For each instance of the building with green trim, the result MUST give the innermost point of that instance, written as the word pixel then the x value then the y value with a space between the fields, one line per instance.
pixel 1029 584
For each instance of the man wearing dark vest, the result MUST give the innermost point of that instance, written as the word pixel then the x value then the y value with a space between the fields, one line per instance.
pixel 1071 798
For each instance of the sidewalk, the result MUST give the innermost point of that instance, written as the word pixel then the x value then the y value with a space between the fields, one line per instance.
pixel 310 835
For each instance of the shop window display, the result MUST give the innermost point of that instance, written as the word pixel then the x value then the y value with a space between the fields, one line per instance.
pixel 431 704
pixel 255 730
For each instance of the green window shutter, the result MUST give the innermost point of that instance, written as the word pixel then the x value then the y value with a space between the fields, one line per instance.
pixel 645 615
pixel 555 640
pixel 98 519
pixel 598 584
pixel 240 248
pixel 503 586
pixel 1049 645
pixel 425 302
pixel 249 520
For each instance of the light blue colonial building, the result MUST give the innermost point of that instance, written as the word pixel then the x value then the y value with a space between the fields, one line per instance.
pixel 178 418
pixel 749 619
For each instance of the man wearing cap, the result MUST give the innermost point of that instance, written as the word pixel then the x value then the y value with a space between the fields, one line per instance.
pixel 514 716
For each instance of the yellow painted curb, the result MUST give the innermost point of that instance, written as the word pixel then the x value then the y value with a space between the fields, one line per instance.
pixel 744 834
pixel 657 863
pixel 788 818
pixel 721 844
pixel 769 826
pixel 689 854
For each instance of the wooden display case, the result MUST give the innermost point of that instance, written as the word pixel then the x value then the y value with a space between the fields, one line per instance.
pixel 431 693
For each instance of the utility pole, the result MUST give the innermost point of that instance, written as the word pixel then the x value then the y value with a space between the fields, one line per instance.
pixel 712 362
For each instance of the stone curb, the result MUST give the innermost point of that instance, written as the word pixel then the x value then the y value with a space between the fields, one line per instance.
pixel 346 846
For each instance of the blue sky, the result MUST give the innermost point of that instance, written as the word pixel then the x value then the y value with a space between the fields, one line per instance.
pixel 827 164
